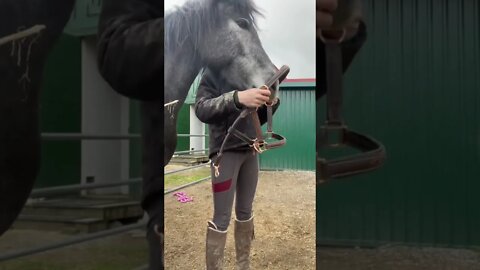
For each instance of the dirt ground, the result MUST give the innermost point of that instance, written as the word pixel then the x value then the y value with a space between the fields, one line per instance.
pixel 284 210
pixel 284 239
pixel 397 258
pixel 125 251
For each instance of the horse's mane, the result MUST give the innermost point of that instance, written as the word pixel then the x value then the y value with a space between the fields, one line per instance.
pixel 196 18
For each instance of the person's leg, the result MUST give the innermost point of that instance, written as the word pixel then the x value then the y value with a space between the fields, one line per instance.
pixel 153 185
pixel 244 230
pixel 155 235
pixel 246 186
pixel 223 188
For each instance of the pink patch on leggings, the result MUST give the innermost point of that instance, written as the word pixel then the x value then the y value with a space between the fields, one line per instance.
pixel 222 186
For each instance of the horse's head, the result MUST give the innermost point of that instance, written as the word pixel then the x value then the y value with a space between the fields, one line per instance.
pixel 219 35
pixel 232 48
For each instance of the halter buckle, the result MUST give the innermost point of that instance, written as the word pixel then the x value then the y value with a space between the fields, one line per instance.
pixel 259 146
pixel 216 169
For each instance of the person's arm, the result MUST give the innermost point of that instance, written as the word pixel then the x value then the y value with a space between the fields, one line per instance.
pixel 349 49
pixel 211 106
pixel 130 47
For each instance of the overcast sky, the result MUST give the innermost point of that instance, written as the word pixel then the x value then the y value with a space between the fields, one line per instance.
pixel 287 33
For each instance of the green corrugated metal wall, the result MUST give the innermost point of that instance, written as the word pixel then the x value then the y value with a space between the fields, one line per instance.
pixel 183 127
pixel 84 19
pixel 415 86
pixel 294 119
pixel 60 111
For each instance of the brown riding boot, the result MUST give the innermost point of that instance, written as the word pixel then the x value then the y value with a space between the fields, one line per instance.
pixel 215 248
pixel 244 234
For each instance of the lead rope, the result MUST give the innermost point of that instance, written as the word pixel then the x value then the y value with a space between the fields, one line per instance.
pixel 257 143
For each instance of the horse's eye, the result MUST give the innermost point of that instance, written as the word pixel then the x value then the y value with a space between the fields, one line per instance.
pixel 243 23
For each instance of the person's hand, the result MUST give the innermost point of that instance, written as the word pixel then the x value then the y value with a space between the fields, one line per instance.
pixel 325 11
pixel 254 97
pixel 338 18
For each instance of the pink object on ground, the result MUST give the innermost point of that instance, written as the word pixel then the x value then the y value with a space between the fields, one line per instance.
pixel 182 197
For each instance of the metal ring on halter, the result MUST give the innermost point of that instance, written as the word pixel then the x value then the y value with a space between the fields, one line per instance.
pixel 340 40
pixel 259 147
pixel 217 169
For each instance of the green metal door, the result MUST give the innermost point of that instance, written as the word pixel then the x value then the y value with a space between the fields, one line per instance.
pixel 60 111
pixel 415 86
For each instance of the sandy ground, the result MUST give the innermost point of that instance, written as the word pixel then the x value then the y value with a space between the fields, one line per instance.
pixel 125 251
pixel 398 258
pixel 284 210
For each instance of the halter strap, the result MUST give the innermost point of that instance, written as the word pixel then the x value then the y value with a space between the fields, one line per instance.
pixel 335 133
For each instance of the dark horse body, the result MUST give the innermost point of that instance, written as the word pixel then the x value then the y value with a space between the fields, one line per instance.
pixel 216 34
pixel 21 68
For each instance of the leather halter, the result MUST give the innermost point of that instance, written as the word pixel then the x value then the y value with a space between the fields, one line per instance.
pixel 335 133
pixel 259 144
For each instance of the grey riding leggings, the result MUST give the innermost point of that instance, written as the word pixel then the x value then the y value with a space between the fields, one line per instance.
pixel 237 179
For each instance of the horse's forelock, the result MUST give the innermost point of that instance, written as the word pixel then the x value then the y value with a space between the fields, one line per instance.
pixel 247 7
pixel 190 21
pixel 242 6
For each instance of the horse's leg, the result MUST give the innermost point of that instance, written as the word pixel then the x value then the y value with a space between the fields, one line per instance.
pixel 152 172
pixel 22 59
